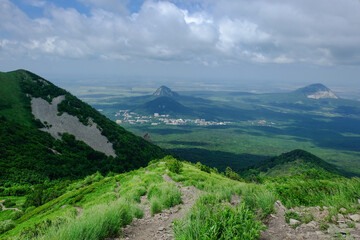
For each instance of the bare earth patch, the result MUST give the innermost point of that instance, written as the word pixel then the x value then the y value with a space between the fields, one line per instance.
pixel 3 208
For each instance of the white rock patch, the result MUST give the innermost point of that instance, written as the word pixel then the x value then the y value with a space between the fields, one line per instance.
pixel 322 94
pixel 66 123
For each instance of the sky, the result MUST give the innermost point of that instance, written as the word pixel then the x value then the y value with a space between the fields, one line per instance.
pixel 289 42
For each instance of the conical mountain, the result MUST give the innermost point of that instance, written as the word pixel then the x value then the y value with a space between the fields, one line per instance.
pixel 164 91
pixel 316 91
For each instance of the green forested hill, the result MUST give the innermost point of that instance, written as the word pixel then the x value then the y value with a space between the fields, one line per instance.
pixel 292 163
pixel 28 155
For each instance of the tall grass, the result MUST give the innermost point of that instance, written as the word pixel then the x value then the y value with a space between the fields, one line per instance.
pixel 99 222
pixel 259 199
pixel 163 196
pixel 337 192
pixel 210 220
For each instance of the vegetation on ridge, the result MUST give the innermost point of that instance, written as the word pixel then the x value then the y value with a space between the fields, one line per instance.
pixel 31 156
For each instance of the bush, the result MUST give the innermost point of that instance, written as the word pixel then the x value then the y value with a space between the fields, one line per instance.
pixel 6 226
pixel 231 174
pixel 203 167
pixel 174 165
pixel 8 203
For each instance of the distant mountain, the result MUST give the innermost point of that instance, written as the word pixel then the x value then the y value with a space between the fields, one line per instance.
pixel 46 133
pixel 292 163
pixel 164 91
pixel 164 105
pixel 316 91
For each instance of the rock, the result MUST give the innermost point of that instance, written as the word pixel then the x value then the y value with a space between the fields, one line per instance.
pixel 355 217
pixel 343 210
pixel 343 225
pixel 294 221
pixel 161 229
pixel 341 218
pixel 312 224
pixel 279 206
pixel 332 230
pixel 359 201
pixel 325 208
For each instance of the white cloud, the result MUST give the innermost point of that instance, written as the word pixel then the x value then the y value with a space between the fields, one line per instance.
pixel 321 32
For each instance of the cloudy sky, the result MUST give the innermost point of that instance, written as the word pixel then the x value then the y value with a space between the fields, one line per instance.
pixel 215 40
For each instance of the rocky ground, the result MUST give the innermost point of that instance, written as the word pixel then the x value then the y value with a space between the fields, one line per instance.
pixel 315 224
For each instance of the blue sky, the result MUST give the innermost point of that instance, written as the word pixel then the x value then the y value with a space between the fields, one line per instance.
pixel 223 41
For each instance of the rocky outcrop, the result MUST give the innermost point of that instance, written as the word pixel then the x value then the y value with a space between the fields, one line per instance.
pixel 65 123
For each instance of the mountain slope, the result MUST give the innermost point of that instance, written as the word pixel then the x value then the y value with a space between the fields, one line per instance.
pixel 185 204
pixel 164 105
pixel 47 132
pixel 316 91
pixel 292 163
pixel 164 91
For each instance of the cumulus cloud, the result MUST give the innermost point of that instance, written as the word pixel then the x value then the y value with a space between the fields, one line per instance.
pixel 323 32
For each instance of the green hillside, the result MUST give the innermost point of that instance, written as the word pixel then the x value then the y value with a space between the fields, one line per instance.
pixel 292 163
pixel 164 105
pixel 203 203
pixel 29 155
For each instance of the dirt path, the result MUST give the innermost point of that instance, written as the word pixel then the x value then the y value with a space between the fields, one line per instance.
pixel 159 226
pixel 79 210
pixel 117 189
pixel 3 208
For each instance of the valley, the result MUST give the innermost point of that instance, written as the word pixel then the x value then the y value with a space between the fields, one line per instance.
pixel 227 167
pixel 238 129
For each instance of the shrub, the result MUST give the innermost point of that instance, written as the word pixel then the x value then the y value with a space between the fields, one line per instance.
pixel 6 226
pixel 8 203
pixel 203 167
pixel 231 174
pixel 174 165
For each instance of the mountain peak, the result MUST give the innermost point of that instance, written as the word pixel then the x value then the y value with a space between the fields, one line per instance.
pixel 317 91
pixel 165 91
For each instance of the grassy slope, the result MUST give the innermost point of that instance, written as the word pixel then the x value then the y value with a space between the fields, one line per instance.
pixel 96 195
pixel 102 191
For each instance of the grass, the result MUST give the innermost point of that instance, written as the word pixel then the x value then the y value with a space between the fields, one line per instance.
pixel 104 214
pixel 210 219
pixel 260 199
pixel 101 221
pixel 163 196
